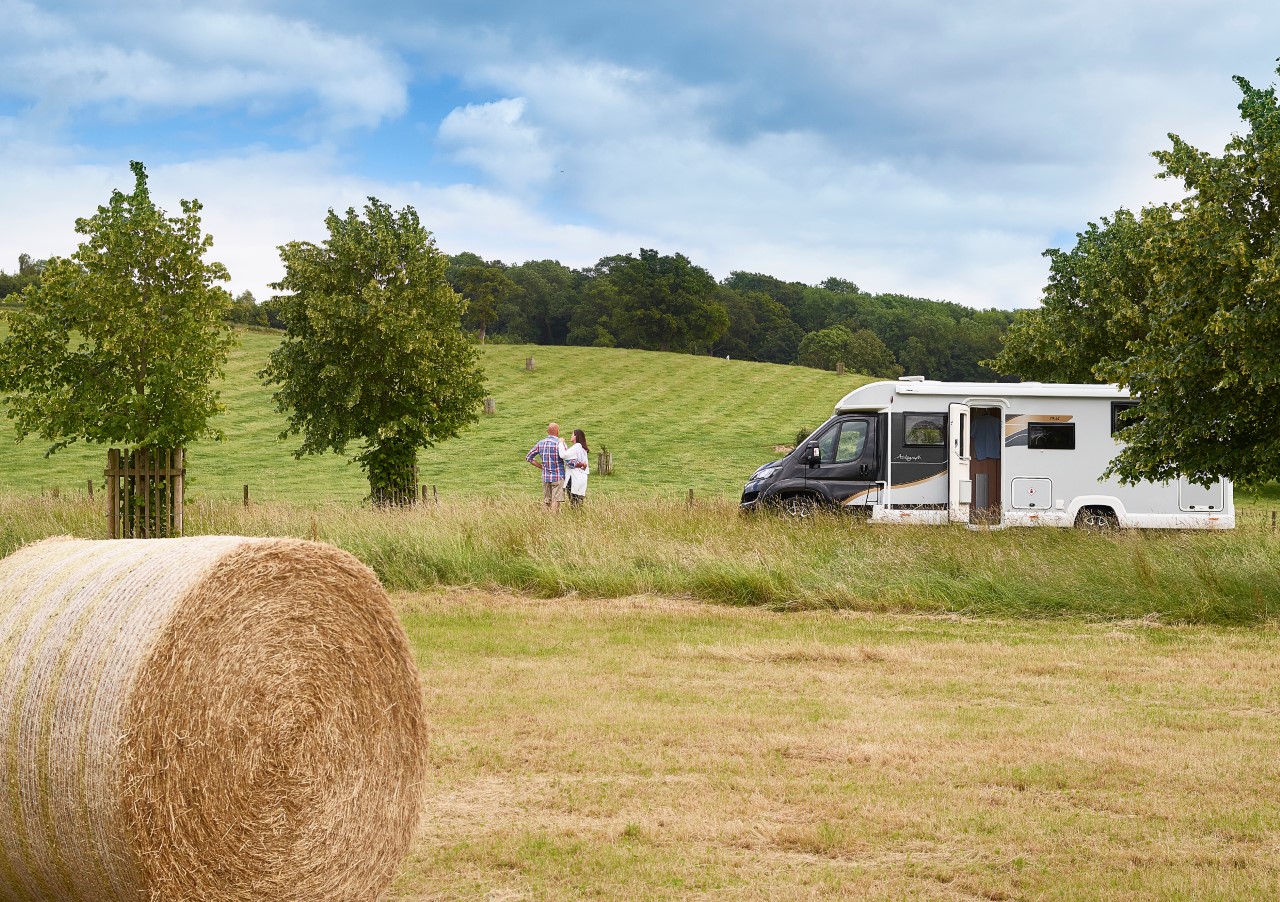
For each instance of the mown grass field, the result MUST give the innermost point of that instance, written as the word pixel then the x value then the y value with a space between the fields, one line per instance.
pixel 652 749
pixel 672 421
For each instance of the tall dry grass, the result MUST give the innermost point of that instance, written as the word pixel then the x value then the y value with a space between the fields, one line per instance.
pixel 709 552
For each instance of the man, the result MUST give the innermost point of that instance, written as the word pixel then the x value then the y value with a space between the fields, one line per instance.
pixel 550 453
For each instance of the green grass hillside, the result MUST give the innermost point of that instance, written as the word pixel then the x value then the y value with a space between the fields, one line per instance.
pixel 673 422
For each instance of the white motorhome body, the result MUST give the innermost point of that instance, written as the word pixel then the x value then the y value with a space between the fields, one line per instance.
pixel 1000 454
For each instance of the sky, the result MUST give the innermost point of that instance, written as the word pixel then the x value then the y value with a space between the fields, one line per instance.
pixel 934 149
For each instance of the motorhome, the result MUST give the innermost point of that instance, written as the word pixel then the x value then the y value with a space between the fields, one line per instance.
pixel 984 454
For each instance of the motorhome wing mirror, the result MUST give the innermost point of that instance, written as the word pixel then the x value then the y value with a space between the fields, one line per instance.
pixel 813 455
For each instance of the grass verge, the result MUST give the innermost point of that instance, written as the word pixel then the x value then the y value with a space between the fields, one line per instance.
pixel 709 552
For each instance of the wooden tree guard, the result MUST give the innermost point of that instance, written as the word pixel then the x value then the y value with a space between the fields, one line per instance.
pixel 840 368
pixel 528 364
pixel 406 498
pixel 144 493
pixel 490 406
pixel 604 462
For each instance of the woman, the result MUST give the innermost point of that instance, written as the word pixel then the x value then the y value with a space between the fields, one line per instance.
pixel 577 468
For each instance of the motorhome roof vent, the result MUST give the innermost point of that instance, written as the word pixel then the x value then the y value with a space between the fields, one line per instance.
pixel 911 378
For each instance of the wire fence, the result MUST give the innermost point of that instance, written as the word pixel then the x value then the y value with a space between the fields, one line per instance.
pixel 1249 515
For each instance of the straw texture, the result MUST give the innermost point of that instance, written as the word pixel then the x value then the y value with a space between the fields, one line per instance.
pixel 214 718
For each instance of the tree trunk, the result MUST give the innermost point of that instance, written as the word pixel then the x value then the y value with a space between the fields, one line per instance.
pixel 393 474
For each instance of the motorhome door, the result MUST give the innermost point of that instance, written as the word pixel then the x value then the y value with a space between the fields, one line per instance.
pixel 959 486
pixel 848 469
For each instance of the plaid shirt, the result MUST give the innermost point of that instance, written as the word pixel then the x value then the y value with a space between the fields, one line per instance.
pixel 552 466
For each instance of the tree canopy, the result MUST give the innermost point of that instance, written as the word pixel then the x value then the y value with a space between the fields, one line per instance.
pixel 860 352
pixel 1096 303
pixel 1183 307
pixel 374 351
pixel 122 341
pixel 29 270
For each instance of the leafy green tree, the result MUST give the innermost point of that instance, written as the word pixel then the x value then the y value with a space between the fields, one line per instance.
pixel 121 342
pixel 1183 307
pixel 1207 371
pixel 544 299
pixel 374 351
pixel 487 288
pixel 789 295
pixel 29 270
pixel 1096 304
pixel 860 352
pixel 245 310
pixel 760 328
pixel 657 302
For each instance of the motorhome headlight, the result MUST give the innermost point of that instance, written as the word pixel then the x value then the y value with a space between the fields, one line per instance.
pixel 766 473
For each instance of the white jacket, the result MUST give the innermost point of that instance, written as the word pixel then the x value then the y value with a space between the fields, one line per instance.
pixel 576 477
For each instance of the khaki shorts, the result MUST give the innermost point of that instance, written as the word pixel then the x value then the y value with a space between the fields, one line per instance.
pixel 552 491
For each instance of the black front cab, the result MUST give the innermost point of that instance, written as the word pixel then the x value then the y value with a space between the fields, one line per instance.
pixel 838 466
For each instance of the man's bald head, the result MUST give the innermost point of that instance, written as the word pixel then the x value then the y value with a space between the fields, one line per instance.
pixel 553 429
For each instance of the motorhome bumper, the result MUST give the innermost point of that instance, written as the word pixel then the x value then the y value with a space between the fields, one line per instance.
pixel 752 495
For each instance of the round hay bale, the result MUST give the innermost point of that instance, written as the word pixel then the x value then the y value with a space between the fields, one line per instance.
pixel 198 719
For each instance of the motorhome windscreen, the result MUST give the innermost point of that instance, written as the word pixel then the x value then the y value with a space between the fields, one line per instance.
pixel 1051 436
pixel 923 429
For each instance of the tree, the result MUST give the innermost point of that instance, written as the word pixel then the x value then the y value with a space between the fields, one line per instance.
pixel 29 270
pixel 860 352
pixel 121 342
pixel 1207 372
pixel 760 328
pixel 1095 305
pixel 544 299
pixel 374 350
pixel 245 310
pixel 487 288
pixel 1183 307
pixel 660 303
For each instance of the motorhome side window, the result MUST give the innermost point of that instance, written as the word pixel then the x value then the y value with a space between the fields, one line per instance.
pixel 1051 436
pixel 844 442
pixel 923 429
pixel 1122 415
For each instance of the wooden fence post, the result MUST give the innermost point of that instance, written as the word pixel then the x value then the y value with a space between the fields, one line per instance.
pixel 246 494
pixel 691 497
pixel 89 485
pixel 113 493
pixel 840 368
pixel 528 364
pixel 179 486
pixel 490 406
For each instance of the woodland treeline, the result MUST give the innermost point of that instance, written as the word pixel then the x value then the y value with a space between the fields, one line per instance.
pixel 663 302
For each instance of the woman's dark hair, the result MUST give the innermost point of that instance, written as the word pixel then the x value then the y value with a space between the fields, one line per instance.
pixel 581 438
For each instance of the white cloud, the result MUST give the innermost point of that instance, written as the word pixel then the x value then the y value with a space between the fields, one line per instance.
pixel 643 161
pixel 255 202
pixel 177 58
pixel 922 148
pixel 495 137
